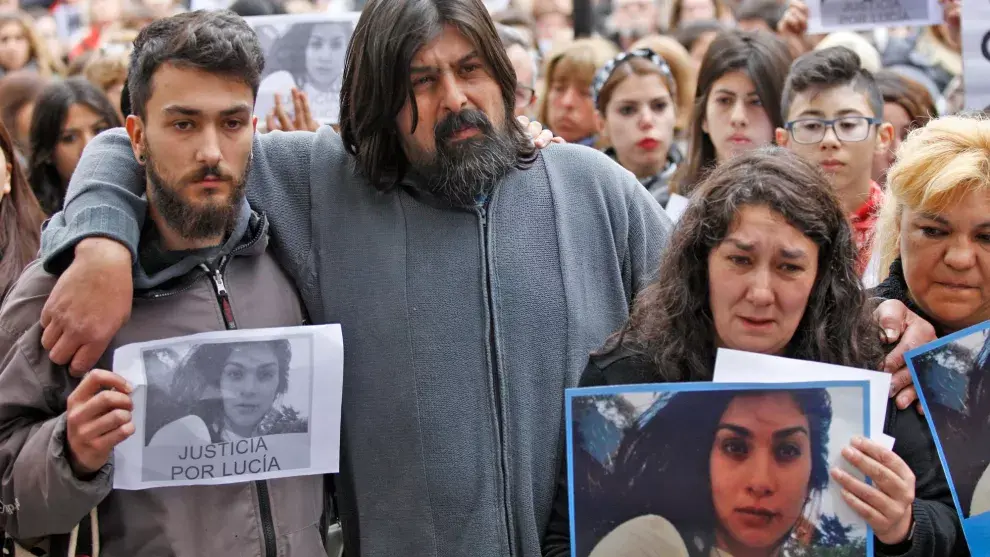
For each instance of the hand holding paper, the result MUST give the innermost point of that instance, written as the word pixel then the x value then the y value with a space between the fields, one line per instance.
pixel 887 504
pixel 98 418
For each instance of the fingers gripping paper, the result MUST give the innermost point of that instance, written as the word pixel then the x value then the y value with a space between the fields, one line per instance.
pixel 232 406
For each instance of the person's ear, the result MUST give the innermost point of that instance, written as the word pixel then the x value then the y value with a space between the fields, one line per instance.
pixel 254 124
pixel 704 125
pixel 885 136
pixel 783 138
pixel 135 130
pixel 602 129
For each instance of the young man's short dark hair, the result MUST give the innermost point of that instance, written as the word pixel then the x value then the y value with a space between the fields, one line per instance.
pixel 770 11
pixel 836 66
pixel 218 42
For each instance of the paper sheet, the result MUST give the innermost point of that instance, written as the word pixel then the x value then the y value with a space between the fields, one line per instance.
pixel 825 16
pixel 733 366
pixel 232 406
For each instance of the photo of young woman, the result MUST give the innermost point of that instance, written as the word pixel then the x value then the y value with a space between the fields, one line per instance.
pixel 307 54
pixel 742 472
pixel 225 392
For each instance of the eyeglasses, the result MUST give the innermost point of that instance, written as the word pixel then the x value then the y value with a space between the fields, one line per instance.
pixel 848 130
pixel 524 96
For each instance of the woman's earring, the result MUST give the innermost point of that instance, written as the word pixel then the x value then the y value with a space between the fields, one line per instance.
pixel 141 159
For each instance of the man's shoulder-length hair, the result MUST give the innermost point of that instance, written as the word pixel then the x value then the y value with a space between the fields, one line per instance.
pixel 377 81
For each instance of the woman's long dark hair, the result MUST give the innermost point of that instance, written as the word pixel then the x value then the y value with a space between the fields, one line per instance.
pixel 765 59
pixel 671 322
pixel 662 467
pixel 196 383
pixel 377 80
pixel 20 220
pixel 50 112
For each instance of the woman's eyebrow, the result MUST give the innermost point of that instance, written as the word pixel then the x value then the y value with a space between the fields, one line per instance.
pixel 787 432
pixel 737 429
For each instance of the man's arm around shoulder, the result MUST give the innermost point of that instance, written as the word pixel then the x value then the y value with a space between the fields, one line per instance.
pixel 41 494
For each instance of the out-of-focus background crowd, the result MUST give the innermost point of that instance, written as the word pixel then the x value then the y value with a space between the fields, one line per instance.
pixel 63 63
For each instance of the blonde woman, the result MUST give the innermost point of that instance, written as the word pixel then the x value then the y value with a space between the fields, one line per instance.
pixel 22 49
pixel 934 239
pixel 566 105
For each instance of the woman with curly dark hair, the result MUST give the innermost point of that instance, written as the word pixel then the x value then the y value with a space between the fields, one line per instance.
pixel 763 261
pixel 231 391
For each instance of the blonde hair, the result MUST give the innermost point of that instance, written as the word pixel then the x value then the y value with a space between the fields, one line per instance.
pixel 48 66
pixel 575 64
pixel 107 70
pixel 936 166
pixel 683 68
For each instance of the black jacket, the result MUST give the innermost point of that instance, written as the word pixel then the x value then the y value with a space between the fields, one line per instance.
pixel 937 531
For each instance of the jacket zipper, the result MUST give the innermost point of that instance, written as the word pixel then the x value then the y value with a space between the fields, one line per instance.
pixel 264 499
pixel 496 383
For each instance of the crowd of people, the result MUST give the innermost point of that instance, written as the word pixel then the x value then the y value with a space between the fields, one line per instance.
pixel 725 180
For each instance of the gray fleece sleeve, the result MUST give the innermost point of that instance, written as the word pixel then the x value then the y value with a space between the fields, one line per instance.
pixel 106 194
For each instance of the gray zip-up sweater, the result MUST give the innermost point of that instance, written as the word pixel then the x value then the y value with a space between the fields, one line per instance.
pixel 462 328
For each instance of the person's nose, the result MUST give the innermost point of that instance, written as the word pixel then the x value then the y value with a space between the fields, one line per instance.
pixel 759 287
pixel 209 149
pixel 646 118
pixel 761 482
pixel 961 254
pixel 831 140
pixel 738 116
pixel 570 97
pixel 454 99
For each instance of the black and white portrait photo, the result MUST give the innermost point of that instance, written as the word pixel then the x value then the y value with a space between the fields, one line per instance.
pixel 232 405
pixel 306 52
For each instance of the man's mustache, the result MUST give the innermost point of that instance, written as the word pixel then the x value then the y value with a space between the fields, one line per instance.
pixel 456 121
pixel 216 172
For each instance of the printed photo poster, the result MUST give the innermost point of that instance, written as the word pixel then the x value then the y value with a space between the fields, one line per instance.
pixel 232 406
pixel 976 54
pixel 825 16
pixel 656 470
pixel 305 51
pixel 952 373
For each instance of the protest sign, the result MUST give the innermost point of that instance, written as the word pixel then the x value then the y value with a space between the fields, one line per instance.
pixel 825 16
pixel 232 406
pixel 661 468
pixel 735 366
pixel 976 54
pixel 306 52
pixel 952 374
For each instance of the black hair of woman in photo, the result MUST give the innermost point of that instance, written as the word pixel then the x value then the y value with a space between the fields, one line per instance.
pixel 67 115
pixel 234 388
pixel 761 261
pixel 697 431
pixel 321 48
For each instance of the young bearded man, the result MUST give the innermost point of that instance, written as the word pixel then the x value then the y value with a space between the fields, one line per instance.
pixel 833 111
pixel 203 264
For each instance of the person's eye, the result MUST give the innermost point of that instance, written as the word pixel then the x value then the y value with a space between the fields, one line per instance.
pixel 627 110
pixel 735 448
pixel 740 260
pixel 723 101
pixel 233 125
pixel 811 126
pixel 421 81
pixel 932 232
pixel 787 452
pixel 233 374
pixel 660 106
pixel 756 102
pixel 68 138
pixel 183 125
pixel 983 238
pixel 470 68
pixel 791 268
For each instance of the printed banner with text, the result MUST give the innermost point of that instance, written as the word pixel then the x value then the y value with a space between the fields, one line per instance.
pixel 232 406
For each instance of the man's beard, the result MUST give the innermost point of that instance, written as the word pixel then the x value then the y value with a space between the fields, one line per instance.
pixel 461 171
pixel 214 218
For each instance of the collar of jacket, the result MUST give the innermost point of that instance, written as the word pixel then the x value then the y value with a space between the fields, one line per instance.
pixel 249 239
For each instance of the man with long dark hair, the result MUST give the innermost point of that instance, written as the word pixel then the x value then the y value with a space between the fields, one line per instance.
pixel 471 273
pixel 203 264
